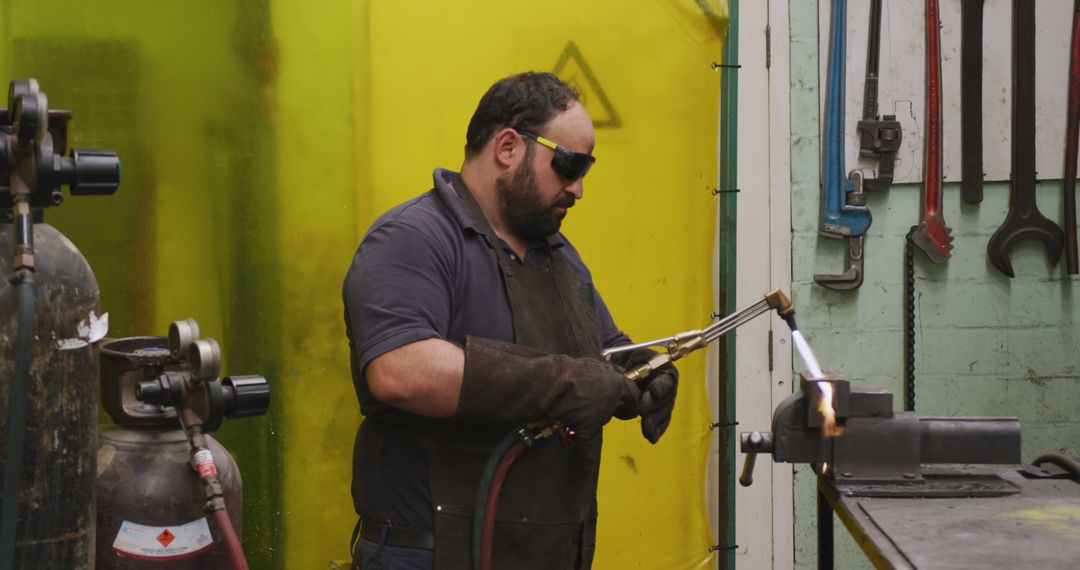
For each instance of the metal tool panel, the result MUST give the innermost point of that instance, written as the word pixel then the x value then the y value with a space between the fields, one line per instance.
pixel 1036 528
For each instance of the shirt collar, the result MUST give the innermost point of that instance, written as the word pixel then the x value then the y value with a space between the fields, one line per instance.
pixel 466 217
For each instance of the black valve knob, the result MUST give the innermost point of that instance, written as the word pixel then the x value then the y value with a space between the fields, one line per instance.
pixel 93 172
pixel 245 396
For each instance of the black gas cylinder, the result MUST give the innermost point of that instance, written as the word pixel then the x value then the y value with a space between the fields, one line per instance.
pixel 55 508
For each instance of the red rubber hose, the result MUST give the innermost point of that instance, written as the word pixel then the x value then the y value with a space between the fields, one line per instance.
pixel 232 542
pixel 488 536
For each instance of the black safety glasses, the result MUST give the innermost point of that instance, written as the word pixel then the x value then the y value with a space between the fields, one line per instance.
pixel 566 163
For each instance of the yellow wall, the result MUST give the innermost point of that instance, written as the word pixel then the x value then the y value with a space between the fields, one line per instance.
pixel 261 138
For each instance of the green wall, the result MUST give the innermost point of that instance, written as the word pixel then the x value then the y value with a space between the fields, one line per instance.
pixel 986 345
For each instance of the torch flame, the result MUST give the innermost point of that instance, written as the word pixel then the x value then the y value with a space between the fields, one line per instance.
pixel 827 393
pixel 827 410
pixel 824 468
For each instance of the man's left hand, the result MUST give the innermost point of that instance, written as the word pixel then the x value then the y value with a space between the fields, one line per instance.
pixel 657 402
pixel 657 393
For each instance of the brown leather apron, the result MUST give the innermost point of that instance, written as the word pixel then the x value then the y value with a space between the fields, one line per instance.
pixel 547 509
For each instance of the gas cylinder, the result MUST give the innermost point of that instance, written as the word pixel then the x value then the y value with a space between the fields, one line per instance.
pixel 55 509
pixel 151 504
pixel 48 326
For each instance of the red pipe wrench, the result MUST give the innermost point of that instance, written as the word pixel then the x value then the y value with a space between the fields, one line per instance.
pixel 933 236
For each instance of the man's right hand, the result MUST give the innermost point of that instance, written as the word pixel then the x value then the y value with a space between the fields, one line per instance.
pixel 506 383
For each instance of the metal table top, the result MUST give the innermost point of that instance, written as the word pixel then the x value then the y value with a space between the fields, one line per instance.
pixel 1038 527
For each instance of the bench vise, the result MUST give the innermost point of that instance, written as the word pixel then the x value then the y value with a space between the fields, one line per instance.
pixel 881 452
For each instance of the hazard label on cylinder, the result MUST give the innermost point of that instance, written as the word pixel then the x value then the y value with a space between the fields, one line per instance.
pixel 162 542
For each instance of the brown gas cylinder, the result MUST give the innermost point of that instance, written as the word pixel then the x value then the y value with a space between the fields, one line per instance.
pixel 150 502
pixel 55 508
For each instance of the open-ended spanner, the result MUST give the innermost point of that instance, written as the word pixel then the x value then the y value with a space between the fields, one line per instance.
pixel 840 217
pixel 971 131
pixel 1024 219
pixel 1072 133
pixel 933 236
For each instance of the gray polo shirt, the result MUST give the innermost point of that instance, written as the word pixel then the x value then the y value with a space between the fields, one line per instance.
pixel 425 269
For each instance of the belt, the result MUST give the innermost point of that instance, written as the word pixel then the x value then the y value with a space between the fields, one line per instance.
pixel 397 535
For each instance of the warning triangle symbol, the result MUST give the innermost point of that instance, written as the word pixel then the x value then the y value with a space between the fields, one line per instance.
pixel 573 69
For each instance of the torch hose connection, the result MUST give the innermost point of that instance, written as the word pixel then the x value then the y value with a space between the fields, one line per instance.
pixel 483 497
pixel 203 461
pixel 487 539
pixel 498 465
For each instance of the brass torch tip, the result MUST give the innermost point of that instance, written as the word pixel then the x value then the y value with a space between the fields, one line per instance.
pixel 779 301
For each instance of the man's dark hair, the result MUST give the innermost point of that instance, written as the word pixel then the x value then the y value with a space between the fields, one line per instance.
pixel 526 101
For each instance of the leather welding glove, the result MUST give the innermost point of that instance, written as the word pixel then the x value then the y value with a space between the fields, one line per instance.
pixel 507 383
pixel 657 392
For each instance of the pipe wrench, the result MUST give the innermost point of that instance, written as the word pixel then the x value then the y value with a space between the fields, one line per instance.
pixel 933 236
pixel 852 278
pixel 879 137
pixel 840 217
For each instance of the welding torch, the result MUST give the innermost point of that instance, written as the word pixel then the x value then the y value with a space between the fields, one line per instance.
pixel 684 343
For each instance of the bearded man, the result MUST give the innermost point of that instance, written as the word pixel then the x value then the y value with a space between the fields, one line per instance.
pixel 469 314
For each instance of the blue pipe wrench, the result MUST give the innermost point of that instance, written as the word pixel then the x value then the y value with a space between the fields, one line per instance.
pixel 844 214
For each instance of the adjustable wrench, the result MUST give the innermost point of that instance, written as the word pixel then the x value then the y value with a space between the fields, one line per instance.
pixel 971 137
pixel 1024 219
pixel 853 277
pixel 933 236
pixel 1072 131
pixel 879 137
pixel 840 217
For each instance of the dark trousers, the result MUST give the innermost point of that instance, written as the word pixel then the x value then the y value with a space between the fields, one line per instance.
pixel 377 555
pixel 374 556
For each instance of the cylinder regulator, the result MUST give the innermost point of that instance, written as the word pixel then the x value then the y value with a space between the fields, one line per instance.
pixel 168 494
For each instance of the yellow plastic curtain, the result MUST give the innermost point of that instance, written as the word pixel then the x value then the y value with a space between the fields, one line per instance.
pixel 261 138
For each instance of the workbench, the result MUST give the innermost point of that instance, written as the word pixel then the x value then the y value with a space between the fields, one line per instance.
pixel 1035 525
